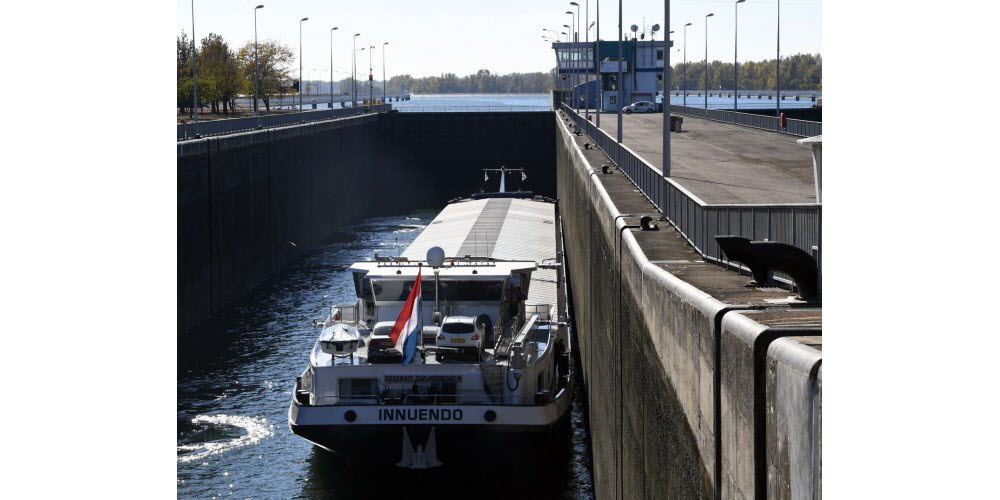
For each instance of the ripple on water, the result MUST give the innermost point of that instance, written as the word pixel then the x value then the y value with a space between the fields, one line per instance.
pixel 255 428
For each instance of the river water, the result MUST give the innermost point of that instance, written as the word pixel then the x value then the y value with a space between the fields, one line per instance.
pixel 543 102
pixel 235 377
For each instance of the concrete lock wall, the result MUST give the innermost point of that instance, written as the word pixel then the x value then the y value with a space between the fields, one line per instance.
pixel 249 204
pixel 661 359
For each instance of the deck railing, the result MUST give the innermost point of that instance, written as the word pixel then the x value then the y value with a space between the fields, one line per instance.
pixel 803 128
pixel 233 125
pixel 799 224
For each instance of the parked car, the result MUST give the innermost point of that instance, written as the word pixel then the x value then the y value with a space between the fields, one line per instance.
pixel 640 107
pixel 460 335
pixel 381 348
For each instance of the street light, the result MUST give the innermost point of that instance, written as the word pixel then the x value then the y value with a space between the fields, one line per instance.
pixel 256 69
pixel 384 83
pixel 579 53
pixel 685 72
pixel 355 58
pixel 597 66
pixel 777 67
pixel 574 57
pixel 736 48
pixel 569 52
pixel 618 82
pixel 371 81
pixel 331 65
pixel 354 70
pixel 666 101
pixel 194 71
pixel 304 19
pixel 706 58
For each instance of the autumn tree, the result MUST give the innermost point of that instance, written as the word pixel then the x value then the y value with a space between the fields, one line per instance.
pixel 273 60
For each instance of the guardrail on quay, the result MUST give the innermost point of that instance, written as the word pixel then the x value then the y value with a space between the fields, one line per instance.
pixel 802 128
pixel 798 224
pixel 233 125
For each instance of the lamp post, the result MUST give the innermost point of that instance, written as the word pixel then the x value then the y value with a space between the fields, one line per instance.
pixel 579 53
pixel 666 102
pixel 557 40
pixel 371 81
pixel 354 70
pixel 618 82
pixel 597 65
pixel 256 68
pixel 777 68
pixel 574 57
pixel 569 62
pixel 685 72
pixel 736 52
pixel 706 58
pixel 304 19
pixel 384 82
pixel 331 66
pixel 194 70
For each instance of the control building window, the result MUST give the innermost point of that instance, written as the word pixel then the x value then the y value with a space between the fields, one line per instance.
pixel 659 55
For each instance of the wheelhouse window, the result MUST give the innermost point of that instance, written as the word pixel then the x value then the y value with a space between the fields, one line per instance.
pixel 357 387
pixel 450 290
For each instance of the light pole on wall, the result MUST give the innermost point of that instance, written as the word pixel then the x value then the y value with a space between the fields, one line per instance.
pixel 256 69
pixel 304 19
pixel 685 64
pixel 666 101
pixel 597 65
pixel 736 52
pixel 331 65
pixel 354 70
pixel 706 58
pixel 194 71
pixel 579 53
pixel 384 82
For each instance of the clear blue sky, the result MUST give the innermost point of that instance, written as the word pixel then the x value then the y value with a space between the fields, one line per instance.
pixel 434 37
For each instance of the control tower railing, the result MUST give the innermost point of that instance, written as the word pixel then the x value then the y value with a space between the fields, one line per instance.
pixel 799 224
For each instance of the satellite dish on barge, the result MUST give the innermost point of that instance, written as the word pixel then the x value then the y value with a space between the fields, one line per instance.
pixel 435 256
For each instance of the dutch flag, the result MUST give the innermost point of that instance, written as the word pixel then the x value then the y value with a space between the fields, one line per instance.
pixel 406 332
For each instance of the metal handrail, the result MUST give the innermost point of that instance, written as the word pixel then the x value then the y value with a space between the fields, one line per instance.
pixel 802 128
pixel 234 125
pixel 799 224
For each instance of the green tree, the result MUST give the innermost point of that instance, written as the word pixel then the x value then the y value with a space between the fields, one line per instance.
pixel 274 61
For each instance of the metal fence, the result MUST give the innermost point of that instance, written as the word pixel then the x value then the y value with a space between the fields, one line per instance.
pixel 803 128
pixel 799 224
pixel 233 125
pixel 407 108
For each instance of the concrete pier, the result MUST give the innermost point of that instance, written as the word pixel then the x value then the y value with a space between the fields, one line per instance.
pixel 691 393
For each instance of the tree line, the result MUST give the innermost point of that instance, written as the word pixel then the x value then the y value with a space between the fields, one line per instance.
pixel 798 72
pixel 225 72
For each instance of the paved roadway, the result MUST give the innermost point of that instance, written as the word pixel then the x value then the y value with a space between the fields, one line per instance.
pixel 722 163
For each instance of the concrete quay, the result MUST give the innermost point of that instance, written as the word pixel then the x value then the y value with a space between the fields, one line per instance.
pixel 723 163
pixel 699 386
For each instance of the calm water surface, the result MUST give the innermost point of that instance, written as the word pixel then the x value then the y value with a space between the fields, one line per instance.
pixel 235 377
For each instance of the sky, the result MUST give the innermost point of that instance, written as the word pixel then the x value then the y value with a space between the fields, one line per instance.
pixel 451 36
